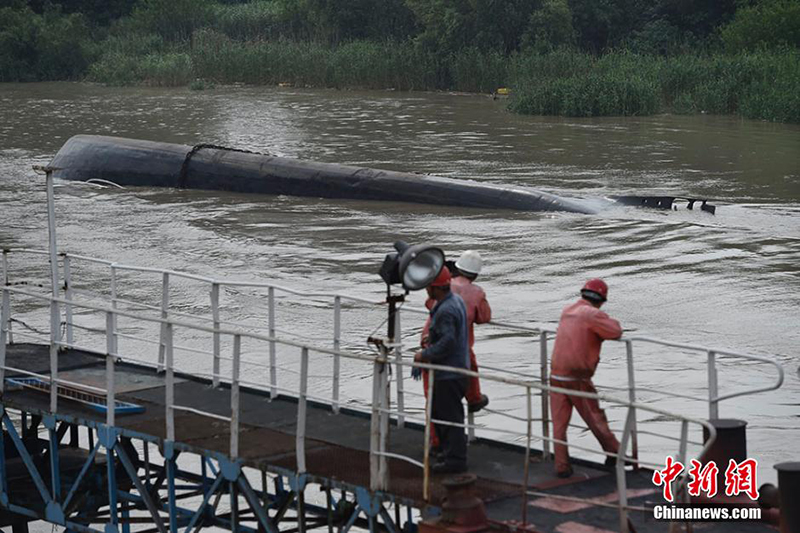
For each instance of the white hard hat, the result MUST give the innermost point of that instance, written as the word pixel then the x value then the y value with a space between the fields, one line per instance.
pixel 470 262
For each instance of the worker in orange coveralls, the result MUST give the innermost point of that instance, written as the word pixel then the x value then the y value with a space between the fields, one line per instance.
pixel 467 268
pixel 581 331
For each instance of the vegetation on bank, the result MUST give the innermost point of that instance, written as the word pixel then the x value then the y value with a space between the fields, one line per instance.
pixel 559 57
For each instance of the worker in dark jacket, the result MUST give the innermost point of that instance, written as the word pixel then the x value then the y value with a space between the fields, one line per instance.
pixel 449 346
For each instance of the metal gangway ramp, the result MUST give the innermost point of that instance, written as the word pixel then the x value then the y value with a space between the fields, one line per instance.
pixel 265 448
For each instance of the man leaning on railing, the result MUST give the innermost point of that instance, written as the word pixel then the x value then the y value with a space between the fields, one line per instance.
pixel 581 331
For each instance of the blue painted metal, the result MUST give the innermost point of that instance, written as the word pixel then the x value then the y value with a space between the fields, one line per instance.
pixel 93 401
pixel 84 469
pixel 170 457
pixel 231 469
pixel 55 471
pixel 112 489
pixel 203 506
pixel 252 501
pixel 144 494
pixel 26 459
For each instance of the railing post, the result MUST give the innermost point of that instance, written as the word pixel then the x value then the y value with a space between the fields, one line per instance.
pixel 273 371
pixel 398 375
pixel 162 346
pixel 386 406
pixel 377 443
pixel 632 398
pixel 545 380
pixel 713 392
pixel 300 442
pixel 55 315
pixel 114 301
pixel 622 484
pixel 7 321
pixel 5 312
pixel 69 295
pixel 53 247
pixel 215 318
pixel 529 430
pixel 237 348
pixel 337 331
pixel 427 447
pixel 170 385
pixel 110 355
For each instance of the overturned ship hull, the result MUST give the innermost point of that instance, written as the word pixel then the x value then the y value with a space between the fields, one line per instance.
pixel 136 162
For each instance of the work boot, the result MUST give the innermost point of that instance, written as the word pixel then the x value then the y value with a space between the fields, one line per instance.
pixel 563 474
pixel 475 407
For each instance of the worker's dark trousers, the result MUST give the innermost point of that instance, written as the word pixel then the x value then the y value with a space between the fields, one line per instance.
pixel 447 396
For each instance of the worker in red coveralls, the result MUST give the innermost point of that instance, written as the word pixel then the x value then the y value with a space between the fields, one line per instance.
pixel 581 331
pixel 467 268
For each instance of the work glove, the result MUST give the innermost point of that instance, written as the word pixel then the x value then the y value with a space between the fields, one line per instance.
pixel 416 373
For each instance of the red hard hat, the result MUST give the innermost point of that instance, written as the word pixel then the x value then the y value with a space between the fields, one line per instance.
pixel 443 279
pixel 595 288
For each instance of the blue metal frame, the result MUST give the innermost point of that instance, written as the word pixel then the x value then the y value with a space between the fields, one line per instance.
pixel 157 491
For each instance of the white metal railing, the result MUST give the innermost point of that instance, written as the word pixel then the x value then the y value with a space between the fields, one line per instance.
pixel 167 319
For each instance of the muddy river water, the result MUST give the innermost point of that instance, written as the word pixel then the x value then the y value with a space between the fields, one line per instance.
pixel 727 281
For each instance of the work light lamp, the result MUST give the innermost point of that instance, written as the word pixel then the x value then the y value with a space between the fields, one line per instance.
pixel 414 267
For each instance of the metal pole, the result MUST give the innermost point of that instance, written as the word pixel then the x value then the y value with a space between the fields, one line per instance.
pixel 273 372
pixel 162 346
pixel 632 398
pixel 713 393
pixel 237 348
pixel 398 356
pixel 51 229
pixel 114 301
pixel 54 324
pixel 7 320
pixel 110 355
pixel 68 307
pixel 386 405
pixel 374 427
pixel 545 396
pixel 5 312
pixel 622 485
pixel 300 443
pixel 215 317
pixel 427 448
pixel 527 456
pixel 170 387
pixel 337 330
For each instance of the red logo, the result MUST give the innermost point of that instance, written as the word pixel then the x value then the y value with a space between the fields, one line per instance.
pixel 739 478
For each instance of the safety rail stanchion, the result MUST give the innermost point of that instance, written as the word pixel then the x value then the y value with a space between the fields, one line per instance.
pixel 398 357
pixel 632 398
pixel 7 320
pixel 114 299
pixel 164 314
pixel 374 426
pixel 337 330
pixel 273 371
pixel 529 431
pixel 110 355
pixel 713 392
pixel 470 425
pixel 427 447
pixel 679 483
pixel 622 485
pixel 170 385
pixel 300 442
pixel 237 348
pixel 5 315
pixel 69 295
pixel 543 369
pixel 55 316
pixel 385 401
pixel 216 334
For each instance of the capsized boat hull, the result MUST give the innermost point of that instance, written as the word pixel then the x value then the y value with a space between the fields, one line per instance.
pixel 134 162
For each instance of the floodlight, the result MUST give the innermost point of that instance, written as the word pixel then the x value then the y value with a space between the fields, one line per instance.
pixel 415 267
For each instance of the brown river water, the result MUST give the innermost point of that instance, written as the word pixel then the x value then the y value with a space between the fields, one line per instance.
pixel 727 281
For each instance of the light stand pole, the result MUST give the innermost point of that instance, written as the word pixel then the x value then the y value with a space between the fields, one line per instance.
pixel 52 245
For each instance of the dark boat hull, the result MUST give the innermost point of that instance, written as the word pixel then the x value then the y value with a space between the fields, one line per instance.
pixel 133 162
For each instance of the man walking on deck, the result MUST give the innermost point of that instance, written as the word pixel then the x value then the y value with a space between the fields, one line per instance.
pixel 581 331
pixel 448 346
pixel 469 265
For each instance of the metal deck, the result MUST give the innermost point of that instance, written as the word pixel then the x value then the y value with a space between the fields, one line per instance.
pixel 336 455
